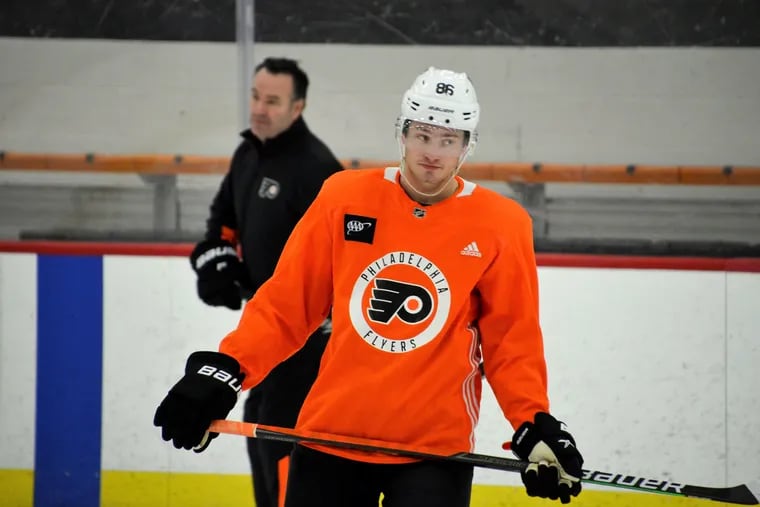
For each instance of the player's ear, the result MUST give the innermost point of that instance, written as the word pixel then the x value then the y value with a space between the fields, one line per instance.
pixel 298 106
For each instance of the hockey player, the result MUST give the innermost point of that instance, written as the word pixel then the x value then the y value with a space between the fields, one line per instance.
pixel 426 274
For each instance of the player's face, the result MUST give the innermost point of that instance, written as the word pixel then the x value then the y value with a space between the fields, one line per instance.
pixel 272 108
pixel 432 154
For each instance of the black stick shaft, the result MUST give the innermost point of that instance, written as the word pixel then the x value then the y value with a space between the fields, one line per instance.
pixel 737 495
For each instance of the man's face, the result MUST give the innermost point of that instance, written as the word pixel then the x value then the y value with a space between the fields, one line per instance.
pixel 272 108
pixel 432 154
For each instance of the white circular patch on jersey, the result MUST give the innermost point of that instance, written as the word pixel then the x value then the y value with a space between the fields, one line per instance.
pixel 419 306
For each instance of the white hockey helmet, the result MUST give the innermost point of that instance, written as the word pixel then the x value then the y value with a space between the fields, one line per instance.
pixel 442 98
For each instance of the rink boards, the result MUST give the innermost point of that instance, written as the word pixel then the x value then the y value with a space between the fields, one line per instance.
pixel 653 369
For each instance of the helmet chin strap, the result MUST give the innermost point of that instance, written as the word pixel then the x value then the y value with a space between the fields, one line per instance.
pixel 402 171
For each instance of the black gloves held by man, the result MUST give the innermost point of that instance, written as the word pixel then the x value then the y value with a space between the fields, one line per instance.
pixel 208 391
pixel 220 273
pixel 555 465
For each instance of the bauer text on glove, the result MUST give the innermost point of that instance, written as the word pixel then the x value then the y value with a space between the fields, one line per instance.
pixel 219 271
pixel 208 391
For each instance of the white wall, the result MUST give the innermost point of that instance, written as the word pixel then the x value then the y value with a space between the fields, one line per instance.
pixel 156 325
pixel 18 351
pixel 743 380
pixel 654 371
pixel 647 105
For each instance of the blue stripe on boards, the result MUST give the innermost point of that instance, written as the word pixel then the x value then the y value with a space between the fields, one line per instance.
pixel 69 381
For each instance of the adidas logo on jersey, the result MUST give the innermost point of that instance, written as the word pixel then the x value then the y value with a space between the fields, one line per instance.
pixel 471 250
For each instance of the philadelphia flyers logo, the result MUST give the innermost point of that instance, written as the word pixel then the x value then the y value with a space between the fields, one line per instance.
pixel 410 303
pixel 400 302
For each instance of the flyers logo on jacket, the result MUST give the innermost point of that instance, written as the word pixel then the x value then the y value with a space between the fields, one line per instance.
pixel 400 302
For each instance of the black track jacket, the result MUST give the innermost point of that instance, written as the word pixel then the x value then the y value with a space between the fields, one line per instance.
pixel 267 189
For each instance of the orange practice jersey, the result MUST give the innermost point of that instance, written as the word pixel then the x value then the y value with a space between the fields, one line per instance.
pixel 418 293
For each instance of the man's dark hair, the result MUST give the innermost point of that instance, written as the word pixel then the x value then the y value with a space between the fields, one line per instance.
pixel 291 68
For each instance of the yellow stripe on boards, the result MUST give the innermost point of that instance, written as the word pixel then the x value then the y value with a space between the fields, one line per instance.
pixel 16 488
pixel 511 496
pixel 161 489
pixel 201 490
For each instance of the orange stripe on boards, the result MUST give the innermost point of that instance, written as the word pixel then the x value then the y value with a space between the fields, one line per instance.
pixel 514 172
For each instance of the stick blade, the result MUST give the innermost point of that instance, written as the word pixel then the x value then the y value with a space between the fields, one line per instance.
pixel 738 494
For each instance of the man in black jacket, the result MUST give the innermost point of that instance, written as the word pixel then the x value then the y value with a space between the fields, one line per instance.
pixel 275 173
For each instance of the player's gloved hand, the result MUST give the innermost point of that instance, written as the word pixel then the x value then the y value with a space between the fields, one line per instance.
pixel 555 467
pixel 219 271
pixel 208 391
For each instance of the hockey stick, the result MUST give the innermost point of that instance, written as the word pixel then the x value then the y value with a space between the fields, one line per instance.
pixel 737 494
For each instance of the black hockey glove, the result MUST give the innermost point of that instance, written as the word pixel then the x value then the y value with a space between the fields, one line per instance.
pixel 208 391
pixel 219 271
pixel 555 464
